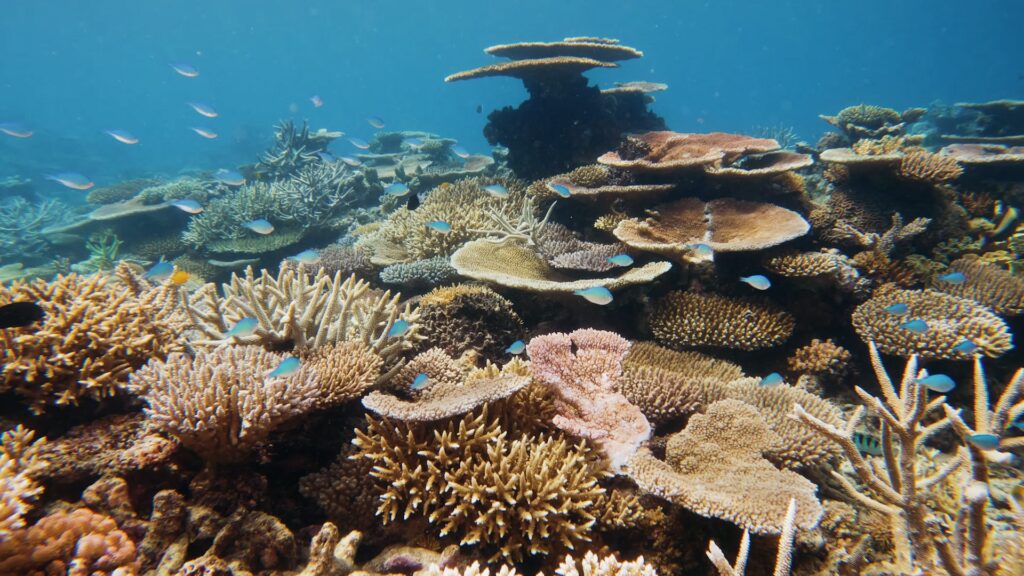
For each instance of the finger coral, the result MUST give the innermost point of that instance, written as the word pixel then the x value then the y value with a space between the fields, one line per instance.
pixel 582 369
pixel 823 358
pixel 346 370
pixel 715 468
pixel 682 319
pixel 949 321
pixel 468 317
pixel 919 164
pixel 19 450
pixel 222 403
pixel 95 332
pixel 986 284
pixel 79 542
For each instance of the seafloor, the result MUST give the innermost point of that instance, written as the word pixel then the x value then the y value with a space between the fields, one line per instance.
pixel 604 349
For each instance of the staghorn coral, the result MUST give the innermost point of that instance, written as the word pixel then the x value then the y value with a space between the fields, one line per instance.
pixel 582 369
pixel 821 358
pixel 714 467
pixel 428 272
pixel 225 217
pixel 293 149
pixel 682 319
pixel 79 542
pixel 923 166
pixel 22 224
pixel 986 284
pixel 94 334
pixel 950 321
pixel 783 558
pixel 593 565
pixel 346 370
pixel 19 464
pixel 221 404
pixel 468 317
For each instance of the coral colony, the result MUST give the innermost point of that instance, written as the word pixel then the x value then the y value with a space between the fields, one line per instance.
pixel 607 349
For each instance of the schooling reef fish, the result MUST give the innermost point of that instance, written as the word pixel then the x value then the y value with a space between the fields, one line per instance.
pixel 306 257
pixel 440 226
pixel 72 180
pixel 597 295
pixel 916 326
pixel 359 143
pixel 953 278
pixel 159 272
pixel 316 100
pixel 375 121
pixel 496 190
pixel 208 134
pixel 229 177
pixel 184 69
pixel 937 383
pixel 399 328
pixel 560 189
pixel 260 226
pixel 896 309
pixel 966 347
pixel 244 327
pixel 621 260
pixel 516 347
pixel 287 367
pixel 15 130
pixel 188 205
pixel 420 381
pixel 984 441
pixel 122 136
pixel 757 281
pixel 773 379
pixel 20 314
pixel 396 189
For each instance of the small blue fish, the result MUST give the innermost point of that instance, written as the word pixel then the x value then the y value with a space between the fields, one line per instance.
pixel 757 281
pixel 953 278
pixel 229 177
pixel 15 130
pixel 122 136
pixel 244 327
pixel 937 383
pixel 203 109
pixel 306 257
pixel 460 152
pixel 396 189
pixel 375 121
pixel 399 328
pixel 516 347
pixel 702 250
pixel 440 226
pixel 326 157
pixel 160 271
pixel 188 205
pixel 260 226
pixel 359 143
pixel 184 69
pixel 773 379
pixel 867 443
pixel 916 326
pixel 72 180
pixel 351 161
pixel 897 309
pixel 496 190
pixel 287 367
pixel 420 381
pixel 561 189
pixel 984 441
pixel 597 295
pixel 966 347
pixel 621 260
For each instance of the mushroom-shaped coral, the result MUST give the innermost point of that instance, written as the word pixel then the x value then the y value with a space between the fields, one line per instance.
pixel 669 152
pixel 724 224
pixel 582 369
pixel 682 319
pixel 468 317
pixel 948 322
pixel 94 333
pixel 715 468
pixel 986 284
pixel 866 121
pixel 513 265
pixel 222 403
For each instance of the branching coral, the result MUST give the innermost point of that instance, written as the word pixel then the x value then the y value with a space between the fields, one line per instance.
pixel 94 334
pixel 867 121
pixel 949 321
pixel 921 165
pixel 293 149
pixel 21 227
pixel 19 461
pixel 822 358
pixel 582 368
pixel 986 284
pixel 429 272
pixel 681 319
pixel 924 540
pixel 783 559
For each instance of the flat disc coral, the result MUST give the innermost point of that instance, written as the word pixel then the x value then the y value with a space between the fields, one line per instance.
pixel 676 151
pixel 532 68
pixel 582 48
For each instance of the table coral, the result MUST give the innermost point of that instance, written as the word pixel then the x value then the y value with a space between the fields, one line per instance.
pixel 95 333
pixel 986 284
pixel 668 152
pixel 681 319
pixel 582 369
pixel 950 320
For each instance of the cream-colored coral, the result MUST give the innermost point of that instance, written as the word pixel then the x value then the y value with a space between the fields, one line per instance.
pixel 223 403
pixel 593 565
pixel 950 321
pixel 715 468
pixel 19 449
pixel 681 319
pixel 95 332
pixel 986 284
pixel 543 67
pixel 820 358
pixel 921 165
pixel 346 370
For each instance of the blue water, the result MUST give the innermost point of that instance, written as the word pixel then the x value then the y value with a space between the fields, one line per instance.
pixel 71 69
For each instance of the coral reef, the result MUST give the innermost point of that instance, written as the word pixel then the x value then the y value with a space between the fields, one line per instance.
pixel 467 317
pixel 681 319
pixel 820 358
pixel 986 284
pixel 22 224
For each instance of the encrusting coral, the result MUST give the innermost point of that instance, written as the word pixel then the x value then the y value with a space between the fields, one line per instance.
pixel 682 319
pixel 94 333
pixel 949 321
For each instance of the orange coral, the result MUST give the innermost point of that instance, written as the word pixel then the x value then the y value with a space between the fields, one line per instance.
pixel 80 542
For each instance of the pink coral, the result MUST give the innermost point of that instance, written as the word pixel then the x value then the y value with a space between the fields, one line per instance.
pixel 583 368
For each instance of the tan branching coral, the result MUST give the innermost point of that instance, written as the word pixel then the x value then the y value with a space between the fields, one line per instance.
pixel 723 224
pixel 783 558
pixel 682 319
pixel 345 490
pixel 513 265
pixel 928 541
pixel 593 565
pixel 346 370
pixel 950 321
pixel 715 468
pixel 79 542
pixel 468 317
pixel 921 165
pixel 822 358
pixel 303 311
pixel 94 334
pixel 986 284
pixel 19 449
pixel 582 369
pixel 222 403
